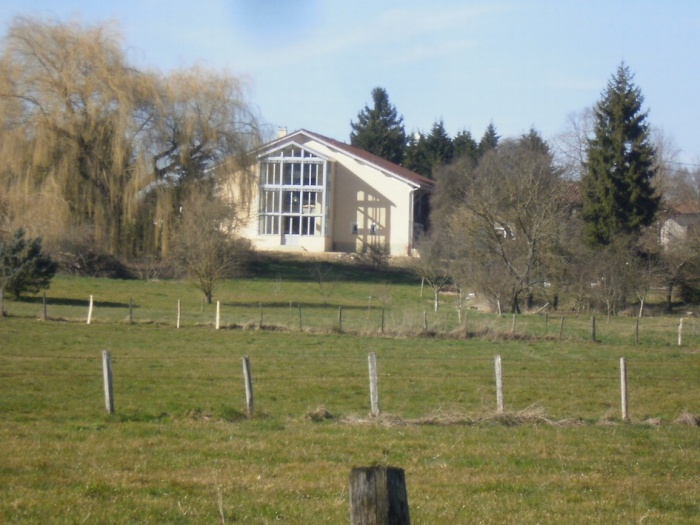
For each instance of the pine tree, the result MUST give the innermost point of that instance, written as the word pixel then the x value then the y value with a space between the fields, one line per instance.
pixel 618 194
pixel 439 146
pixel 24 267
pixel 379 130
pixel 465 146
pixel 416 157
pixel 534 141
pixel 488 141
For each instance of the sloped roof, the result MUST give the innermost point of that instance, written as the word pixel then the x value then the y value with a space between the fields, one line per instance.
pixel 689 207
pixel 360 155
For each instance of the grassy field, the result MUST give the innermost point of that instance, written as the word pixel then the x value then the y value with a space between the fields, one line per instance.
pixel 180 449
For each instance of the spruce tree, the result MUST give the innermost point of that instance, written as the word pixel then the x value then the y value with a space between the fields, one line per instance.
pixel 618 196
pixel 416 157
pixel 24 267
pixel 488 141
pixel 380 129
pixel 534 141
pixel 465 146
pixel 439 146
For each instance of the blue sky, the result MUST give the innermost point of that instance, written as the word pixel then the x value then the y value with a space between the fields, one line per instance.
pixel 519 64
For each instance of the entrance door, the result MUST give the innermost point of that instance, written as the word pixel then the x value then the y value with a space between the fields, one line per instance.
pixel 292 231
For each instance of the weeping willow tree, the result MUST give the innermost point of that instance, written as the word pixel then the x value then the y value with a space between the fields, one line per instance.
pixel 71 125
pixel 204 129
pixel 89 142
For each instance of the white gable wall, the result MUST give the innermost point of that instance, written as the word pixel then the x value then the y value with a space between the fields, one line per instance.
pixel 379 205
pixel 376 204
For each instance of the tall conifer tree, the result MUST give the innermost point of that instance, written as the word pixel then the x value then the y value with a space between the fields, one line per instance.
pixel 380 129
pixel 618 196
pixel 439 146
pixel 488 141
pixel 465 145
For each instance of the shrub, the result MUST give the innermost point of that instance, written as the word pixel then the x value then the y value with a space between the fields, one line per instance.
pixel 375 256
pixel 24 267
pixel 76 254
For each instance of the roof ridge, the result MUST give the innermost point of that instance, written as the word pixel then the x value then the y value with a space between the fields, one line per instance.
pixel 379 162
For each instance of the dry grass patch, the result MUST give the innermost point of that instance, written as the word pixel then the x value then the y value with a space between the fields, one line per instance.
pixel 532 415
pixel 688 419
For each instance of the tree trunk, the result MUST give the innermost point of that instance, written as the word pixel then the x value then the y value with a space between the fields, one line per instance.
pixel 515 307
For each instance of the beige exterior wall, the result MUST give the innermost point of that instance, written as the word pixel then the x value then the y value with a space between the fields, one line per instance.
pixel 366 197
pixel 361 196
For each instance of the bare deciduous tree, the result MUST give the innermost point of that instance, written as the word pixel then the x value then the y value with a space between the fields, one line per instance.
pixel 206 245
pixel 433 263
pixel 509 218
pixel 570 145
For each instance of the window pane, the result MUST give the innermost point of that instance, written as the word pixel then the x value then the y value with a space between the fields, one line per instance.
pixel 310 174
pixel 291 202
pixel 291 225
pixel 292 174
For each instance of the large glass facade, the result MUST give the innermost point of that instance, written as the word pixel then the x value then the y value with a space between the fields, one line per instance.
pixel 294 193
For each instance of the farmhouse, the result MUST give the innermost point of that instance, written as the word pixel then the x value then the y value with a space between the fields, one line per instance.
pixel 681 221
pixel 315 194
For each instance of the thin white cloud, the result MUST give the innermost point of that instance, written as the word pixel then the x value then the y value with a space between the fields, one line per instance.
pixel 421 52
pixel 397 30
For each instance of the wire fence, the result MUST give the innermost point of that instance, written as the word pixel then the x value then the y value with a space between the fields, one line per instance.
pixel 373 319
pixel 457 390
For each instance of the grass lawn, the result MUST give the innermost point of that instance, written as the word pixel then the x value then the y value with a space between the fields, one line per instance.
pixel 180 449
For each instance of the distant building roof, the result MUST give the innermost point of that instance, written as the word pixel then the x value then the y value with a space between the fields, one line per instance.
pixel 689 207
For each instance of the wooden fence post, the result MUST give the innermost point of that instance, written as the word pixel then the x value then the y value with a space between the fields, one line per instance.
pixel 680 332
pixel 248 379
pixel 561 327
pixel 107 379
pixel 425 321
pixel 89 317
pixel 45 312
pixel 373 384
pixel 301 326
pixel 179 313
pixel 218 315
pixel 131 310
pixel 2 302
pixel 512 327
pixel 499 385
pixel 340 318
pixel 261 317
pixel 378 496
pixel 593 329
pixel 636 333
pixel 382 330
pixel 623 389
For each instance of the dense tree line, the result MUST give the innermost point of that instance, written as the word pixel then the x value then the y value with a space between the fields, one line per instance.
pixel 380 130
pixel 518 223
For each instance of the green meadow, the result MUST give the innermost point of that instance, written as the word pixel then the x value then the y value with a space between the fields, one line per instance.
pixel 181 448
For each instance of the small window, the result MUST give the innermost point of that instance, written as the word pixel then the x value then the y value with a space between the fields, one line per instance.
pixel 373 229
pixel 354 228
